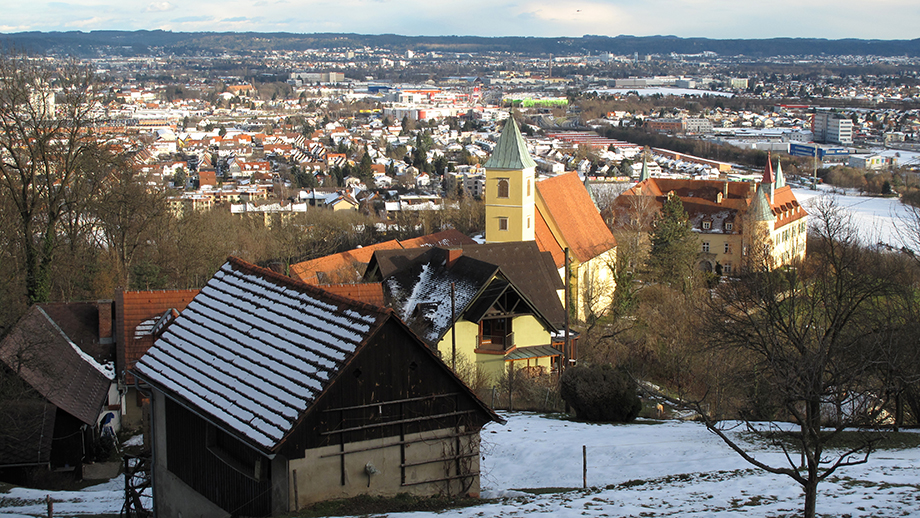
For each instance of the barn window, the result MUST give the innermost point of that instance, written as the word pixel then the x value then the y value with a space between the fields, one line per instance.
pixel 503 188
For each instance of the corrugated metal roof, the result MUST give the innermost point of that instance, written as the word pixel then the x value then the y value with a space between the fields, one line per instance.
pixel 536 351
pixel 254 349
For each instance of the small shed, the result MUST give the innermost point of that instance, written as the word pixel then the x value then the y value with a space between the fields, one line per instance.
pixel 269 394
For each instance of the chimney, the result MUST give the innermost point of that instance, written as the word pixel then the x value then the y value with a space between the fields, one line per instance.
pixel 452 255
pixel 106 308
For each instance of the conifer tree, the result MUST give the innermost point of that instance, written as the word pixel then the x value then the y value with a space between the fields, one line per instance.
pixel 674 245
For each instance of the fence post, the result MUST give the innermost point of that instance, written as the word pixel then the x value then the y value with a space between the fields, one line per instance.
pixel 584 466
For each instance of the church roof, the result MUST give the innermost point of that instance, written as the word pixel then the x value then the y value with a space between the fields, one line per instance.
pixel 768 172
pixel 780 179
pixel 574 214
pixel 511 150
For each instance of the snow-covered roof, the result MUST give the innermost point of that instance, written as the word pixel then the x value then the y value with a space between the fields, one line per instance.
pixel 255 349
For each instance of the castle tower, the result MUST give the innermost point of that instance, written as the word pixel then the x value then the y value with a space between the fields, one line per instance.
pixel 510 189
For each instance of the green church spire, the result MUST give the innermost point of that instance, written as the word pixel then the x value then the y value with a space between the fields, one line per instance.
pixel 511 150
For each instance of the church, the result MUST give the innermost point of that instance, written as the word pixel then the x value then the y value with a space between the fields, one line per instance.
pixel 557 213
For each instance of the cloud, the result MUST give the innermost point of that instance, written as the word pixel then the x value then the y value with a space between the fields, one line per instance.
pixel 187 19
pixel 159 7
pixel 236 19
pixel 88 22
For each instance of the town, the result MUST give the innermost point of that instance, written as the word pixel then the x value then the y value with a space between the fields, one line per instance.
pixel 312 275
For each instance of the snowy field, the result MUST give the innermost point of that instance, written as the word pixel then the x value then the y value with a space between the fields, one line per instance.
pixel 647 469
pixel 876 218
pixel 663 90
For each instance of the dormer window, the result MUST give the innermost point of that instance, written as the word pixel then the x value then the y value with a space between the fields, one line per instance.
pixel 729 226
pixel 707 225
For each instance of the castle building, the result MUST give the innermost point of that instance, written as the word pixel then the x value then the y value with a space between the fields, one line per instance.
pixel 738 223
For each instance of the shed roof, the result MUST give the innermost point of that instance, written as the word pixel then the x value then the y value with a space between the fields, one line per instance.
pixel 255 349
pixel 52 364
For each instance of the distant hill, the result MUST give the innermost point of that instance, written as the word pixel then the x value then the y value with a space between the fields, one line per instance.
pixel 139 43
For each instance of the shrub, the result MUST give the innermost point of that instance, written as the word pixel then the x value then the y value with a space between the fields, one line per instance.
pixel 600 393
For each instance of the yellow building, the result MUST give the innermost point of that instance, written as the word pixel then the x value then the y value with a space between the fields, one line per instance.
pixel 557 213
pixel 496 322
pixel 737 222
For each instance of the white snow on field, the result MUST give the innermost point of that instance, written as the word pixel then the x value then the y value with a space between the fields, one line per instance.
pixel 876 218
pixel 646 468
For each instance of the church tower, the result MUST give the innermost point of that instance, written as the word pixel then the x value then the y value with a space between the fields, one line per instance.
pixel 510 189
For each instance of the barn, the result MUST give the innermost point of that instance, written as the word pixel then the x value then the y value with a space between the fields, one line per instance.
pixel 269 395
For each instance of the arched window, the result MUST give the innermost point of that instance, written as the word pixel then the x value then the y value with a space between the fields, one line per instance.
pixel 503 188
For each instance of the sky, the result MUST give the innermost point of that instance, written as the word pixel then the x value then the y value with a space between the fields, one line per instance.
pixel 718 19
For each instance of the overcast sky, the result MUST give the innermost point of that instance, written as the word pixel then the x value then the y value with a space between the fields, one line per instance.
pixel 753 19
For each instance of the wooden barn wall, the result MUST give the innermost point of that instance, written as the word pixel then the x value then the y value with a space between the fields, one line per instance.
pixel 69 446
pixel 189 459
pixel 392 367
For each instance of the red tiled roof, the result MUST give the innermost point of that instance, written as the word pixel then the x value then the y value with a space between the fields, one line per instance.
pixel 367 292
pixel 133 308
pixel 546 241
pixel 336 265
pixel 349 266
pixel 574 214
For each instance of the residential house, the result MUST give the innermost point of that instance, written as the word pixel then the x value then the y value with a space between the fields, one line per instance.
pixel 270 394
pixel 466 307
pixel 140 317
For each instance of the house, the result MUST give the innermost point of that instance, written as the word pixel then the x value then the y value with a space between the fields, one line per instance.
pixel 59 387
pixel 732 219
pixel 140 317
pixel 349 266
pixel 471 310
pixel 269 394
pixel 557 213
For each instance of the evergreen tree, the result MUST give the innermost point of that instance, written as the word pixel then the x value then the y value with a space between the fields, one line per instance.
pixel 674 245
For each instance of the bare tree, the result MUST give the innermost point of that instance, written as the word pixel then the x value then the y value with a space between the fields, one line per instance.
pixel 46 150
pixel 810 334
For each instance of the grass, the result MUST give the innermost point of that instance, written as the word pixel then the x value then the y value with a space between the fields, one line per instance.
pixel 375 505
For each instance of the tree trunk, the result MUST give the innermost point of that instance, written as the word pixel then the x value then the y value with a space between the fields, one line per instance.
pixel 811 497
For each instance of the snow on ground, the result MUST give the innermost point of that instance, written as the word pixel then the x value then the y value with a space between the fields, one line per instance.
pixel 647 468
pixel 876 218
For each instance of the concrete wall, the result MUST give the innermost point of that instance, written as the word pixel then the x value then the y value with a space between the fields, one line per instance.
pixel 318 474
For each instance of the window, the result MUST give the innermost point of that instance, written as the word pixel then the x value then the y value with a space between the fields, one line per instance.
pixel 729 226
pixel 503 188
pixel 528 221
pixel 706 246
pixel 727 268
pixel 707 225
pixel 728 248
pixel 503 223
pixel 495 334
pixel 528 187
